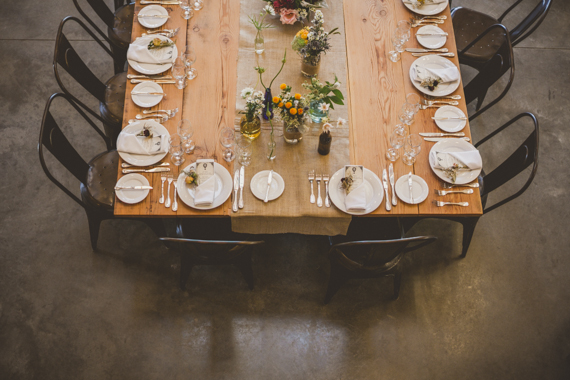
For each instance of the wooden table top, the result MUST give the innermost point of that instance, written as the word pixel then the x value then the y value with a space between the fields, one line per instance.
pixel 377 88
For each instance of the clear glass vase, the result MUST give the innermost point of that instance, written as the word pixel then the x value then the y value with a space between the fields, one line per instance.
pixel 250 127
pixel 293 131
pixel 259 43
pixel 310 66
pixel 315 113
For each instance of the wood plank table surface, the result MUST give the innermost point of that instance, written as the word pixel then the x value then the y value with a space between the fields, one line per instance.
pixel 376 90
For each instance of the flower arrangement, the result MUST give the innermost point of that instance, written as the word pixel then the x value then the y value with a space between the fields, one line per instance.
pixel 325 95
pixel 311 41
pixel 292 11
pixel 292 107
pixel 253 102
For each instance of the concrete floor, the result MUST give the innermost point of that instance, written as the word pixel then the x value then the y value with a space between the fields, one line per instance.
pixel 69 313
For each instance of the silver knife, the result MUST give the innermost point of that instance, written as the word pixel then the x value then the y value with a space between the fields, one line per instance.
pixel 458 134
pixel 144 2
pixel 133 187
pixel 269 179
pixel 416 50
pixel 159 81
pixel 385 183
pixel 450 55
pixel 158 77
pixel 241 185
pixel 392 182
pixel 153 170
pixel 437 139
pixel 410 184
pixel 125 165
pixel 236 187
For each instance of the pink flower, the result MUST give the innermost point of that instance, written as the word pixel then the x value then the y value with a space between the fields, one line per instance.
pixel 288 16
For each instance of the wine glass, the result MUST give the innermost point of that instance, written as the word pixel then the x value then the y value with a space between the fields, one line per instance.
pixel 245 151
pixel 176 149
pixel 197 4
pixel 399 38
pixel 397 140
pixel 412 148
pixel 186 133
pixel 179 73
pixel 188 55
pixel 227 138
pixel 405 116
pixel 187 8
pixel 406 27
pixel 412 104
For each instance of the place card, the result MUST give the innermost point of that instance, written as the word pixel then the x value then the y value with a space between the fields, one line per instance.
pixel 356 173
pixel 204 169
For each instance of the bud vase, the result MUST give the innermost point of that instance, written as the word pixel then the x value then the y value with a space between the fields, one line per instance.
pixel 250 127
pixel 268 102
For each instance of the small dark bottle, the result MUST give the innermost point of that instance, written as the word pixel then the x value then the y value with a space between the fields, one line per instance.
pixel 325 140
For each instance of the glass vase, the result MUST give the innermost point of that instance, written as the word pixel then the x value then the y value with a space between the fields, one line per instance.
pixel 268 102
pixel 315 113
pixel 250 127
pixel 310 66
pixel 293 131
pixel 271 149
pixel 259 43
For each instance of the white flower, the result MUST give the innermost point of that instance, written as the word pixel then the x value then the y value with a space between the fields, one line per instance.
pixel 246 92
pixel 324 107
pixel 258 94
pixel 269 9
pixel 303 13
pixel 318 15
pixel 336 85
pixel 311 36
pixel 340 122
pixel 296 103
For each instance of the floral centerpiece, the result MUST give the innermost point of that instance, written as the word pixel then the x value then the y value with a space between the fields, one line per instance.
pixel 292 109
pixel 250 124
pixel 322 97
pixel 291 11
pixel 310 42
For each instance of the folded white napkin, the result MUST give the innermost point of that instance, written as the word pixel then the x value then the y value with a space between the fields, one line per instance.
pixel 445 160
pixel 205 192
pixel 421 73
pixel 131 143
pixel 138 51
pixel 356 200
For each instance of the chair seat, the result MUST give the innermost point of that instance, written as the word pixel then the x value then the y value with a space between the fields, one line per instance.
pixel 120 33
pixel 468 25
pixel 113 106
pixel 98 190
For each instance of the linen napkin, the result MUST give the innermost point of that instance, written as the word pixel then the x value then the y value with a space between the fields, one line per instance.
pixel 148 146
pixel 356 199
pixel 449 74
pixel 445 160
pixel 205 192
pixel 139 52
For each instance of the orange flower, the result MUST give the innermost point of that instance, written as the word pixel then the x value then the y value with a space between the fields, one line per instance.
pixel 276 99
pixel 288 105
pixel 283 86
pixel 300 111
pixel 293 111
pixel 280 105
pixel 297 96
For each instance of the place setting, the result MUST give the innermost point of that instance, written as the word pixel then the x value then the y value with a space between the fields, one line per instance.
pixel 426 7
pixel 356 190
pixel 152 55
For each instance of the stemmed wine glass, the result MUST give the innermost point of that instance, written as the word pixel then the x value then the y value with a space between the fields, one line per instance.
pixel 412 148
pixel 412 105
pixel 187 8
pixel 186 133
pixel 399 38
pixel 176 149
pixel 405 116
pixel 189 57
pixel 245 151
pixel 179 73
pixel 397 140
pixel 406 27
pixel 227 138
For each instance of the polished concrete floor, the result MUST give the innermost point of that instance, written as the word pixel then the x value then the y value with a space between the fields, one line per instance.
pixel 68 313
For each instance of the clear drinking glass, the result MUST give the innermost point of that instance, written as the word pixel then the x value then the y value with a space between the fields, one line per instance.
pixel 179 73
pixel 188 55
pixel 186 132
pixel 187 8
pixel 397 140
pixel 406 28
pixel 227 138
pixel 197 4
pixel 399 38
pixel 176 149
pixel 405 116
pixel 412 148
pixel 412 103
pixel 245 150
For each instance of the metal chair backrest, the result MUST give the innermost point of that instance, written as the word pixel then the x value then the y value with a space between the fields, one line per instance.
pixel 376 256
pixel 530 23
pixel 53 139
pixel 521 159
pixel 101 9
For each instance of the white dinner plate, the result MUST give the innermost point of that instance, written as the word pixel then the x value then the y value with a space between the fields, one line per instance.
pixel 420 189
pixel 428 9
pixel 372 184
pixel 435 62
pixel 454 145
pixel 450 125
pixel 224 186
pixel 258 185
pixel 141 159
pixel 150 68
pixel 431 41
pixel 132 196
pixel 147 101
pixel 152 10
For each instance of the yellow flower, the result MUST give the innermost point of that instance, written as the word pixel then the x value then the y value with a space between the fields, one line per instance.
pixel 276 99
pixel 283 86
pixel 293 111
pixel 280 105
pixel 304 34
pixel 297 96
pixel 288 105
pixel 300 111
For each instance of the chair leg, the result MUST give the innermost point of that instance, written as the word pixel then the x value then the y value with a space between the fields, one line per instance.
pixel 119 59
pixel 185 269
pixel 246 269
pixel 94 221
pixel 468 230
pixel 397 282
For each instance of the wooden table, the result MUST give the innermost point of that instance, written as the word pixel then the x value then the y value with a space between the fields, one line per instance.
pixel 376 90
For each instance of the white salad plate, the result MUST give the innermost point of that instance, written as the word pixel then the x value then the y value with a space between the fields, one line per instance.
pixel 372 184
pixel 420 189
pixel 435 62
pixel 224 186
pixel 453 145
pixel 147 101
pixel 152 68
pixel 451 125
pixel 143 159
pixel 152 10
pixel 432 38
pixel 258 185
pixel 132 196
pixel 427 9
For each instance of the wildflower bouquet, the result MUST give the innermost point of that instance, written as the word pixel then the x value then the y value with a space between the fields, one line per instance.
pixel 311 41
pixel 326 94
pixel 253 102
pixel 292 107
pixel 292 11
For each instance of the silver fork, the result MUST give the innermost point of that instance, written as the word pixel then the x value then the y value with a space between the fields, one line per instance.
pixel 159 119
pixel 327 200
pixel 451 186
pixel 170 113
pixel 454 97
pixel 425 107
pixel 151 116
pixel 445 192
pixel 319 178
pixel 162 180
pixel 175 203
pixel 311 179
pixel 165 32
pixel 441 204
pixel 444 102
pixel 170 178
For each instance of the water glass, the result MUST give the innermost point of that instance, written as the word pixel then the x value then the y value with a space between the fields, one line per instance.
pixel 245 151
pixel 412 148
pixel 176 149
pixel 179 73
pixel 397 140
pixel 399 38
pixel 405 116
pixel 406 28
pixel 413 103
pixel 188 55
pixel 186 133
pixel 187 8
pixel 227 138
pixel 197 4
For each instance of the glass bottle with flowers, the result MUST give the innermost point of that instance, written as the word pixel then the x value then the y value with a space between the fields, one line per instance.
pixel 260 25
pixel 292 108
pixel 322 97
pixel 310 42
pixel 250 124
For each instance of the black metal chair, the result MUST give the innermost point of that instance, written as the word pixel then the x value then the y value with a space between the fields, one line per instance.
pixel 119 26
pixel 213 252
pixel 370 259
pixel 97 177
pixel 521 159
pixel 110 94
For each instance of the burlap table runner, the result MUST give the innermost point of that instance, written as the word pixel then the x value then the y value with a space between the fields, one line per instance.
pixel 292 212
